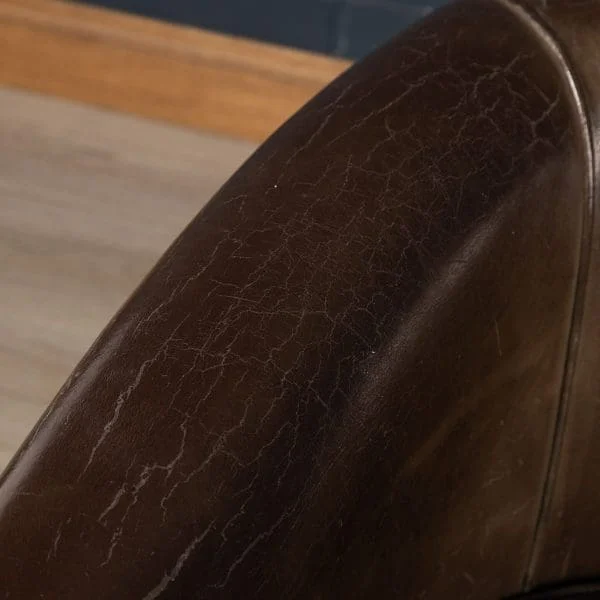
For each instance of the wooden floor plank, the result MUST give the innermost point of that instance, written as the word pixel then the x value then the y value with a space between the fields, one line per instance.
pixel 170 72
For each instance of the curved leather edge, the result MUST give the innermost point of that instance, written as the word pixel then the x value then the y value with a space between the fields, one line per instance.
pixel 547 35
pixel 569 527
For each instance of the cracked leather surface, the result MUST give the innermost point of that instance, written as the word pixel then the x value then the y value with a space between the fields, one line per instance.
pixel 343 379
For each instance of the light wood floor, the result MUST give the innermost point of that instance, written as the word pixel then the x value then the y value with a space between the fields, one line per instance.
pixel 88 202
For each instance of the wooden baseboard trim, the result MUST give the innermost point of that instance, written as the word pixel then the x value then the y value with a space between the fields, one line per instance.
pixel 169 72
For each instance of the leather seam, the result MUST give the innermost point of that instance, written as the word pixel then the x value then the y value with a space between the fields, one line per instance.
pixel 542 30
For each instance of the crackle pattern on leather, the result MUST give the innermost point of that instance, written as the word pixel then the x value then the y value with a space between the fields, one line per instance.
pixel 342 380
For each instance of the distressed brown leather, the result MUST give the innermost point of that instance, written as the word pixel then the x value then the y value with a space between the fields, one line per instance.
pixel 344 379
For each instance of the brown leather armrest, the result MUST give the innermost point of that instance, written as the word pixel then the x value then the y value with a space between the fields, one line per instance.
pixel 343 379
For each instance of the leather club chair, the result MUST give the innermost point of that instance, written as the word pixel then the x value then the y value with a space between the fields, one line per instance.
pixel 370 367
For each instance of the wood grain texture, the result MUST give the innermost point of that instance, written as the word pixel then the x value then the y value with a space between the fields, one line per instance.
pixel 178 74
pixel 88 201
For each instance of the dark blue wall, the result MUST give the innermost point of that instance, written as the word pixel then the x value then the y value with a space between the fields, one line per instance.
pixel 348 28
